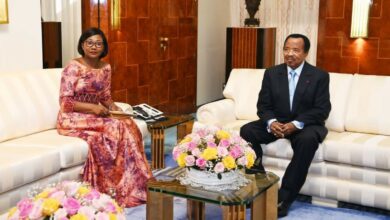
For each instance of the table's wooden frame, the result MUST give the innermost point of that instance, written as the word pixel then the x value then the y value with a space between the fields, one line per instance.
pixel 157 142
pixel 264 206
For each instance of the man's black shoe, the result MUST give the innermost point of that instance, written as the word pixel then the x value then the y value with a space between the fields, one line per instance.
pixel 255 169
pixel 283 209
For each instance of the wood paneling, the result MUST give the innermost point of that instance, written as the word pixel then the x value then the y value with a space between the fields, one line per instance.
pixel 143 71
pixel 250 48
pixel 51 45
pixel 337 52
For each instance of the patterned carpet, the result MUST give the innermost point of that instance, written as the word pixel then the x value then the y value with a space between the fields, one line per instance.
pixel 298 211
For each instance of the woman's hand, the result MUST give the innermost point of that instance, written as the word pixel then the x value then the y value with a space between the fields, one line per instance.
pixel 100 110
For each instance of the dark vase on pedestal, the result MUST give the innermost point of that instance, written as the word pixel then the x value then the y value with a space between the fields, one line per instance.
pixel 252 6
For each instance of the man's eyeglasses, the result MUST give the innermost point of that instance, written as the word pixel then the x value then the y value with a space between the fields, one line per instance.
pixel 97 44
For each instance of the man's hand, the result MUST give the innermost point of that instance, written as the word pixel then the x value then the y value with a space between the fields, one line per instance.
pixel 288 128
pixel 277 129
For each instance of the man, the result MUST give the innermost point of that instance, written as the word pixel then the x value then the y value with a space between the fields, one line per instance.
pixel 294 104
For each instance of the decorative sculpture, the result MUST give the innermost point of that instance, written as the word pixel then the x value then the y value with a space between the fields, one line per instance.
pixel 252 6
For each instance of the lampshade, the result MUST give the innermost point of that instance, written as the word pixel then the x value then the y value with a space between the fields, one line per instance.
pixel 360 13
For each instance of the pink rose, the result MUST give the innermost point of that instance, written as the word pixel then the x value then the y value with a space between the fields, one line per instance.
pixel 59 195
pixel 236 152
pixel 176 152
pixel 71 205
pixel 236 139
pixel 100 203
pixel 190 160
pixel 60 214
pixel 209 138
pixel 224 143
pixel 70 187
pixel 87 211
pixel 196 152
pixel 213 129
pixel 222 151
pixel 102 216
pixel 191 145
pixel 93 194
pixel 24 207
pixel 201 132
pixel 36 211
pixel 195 138
pixel 250 150
pixel 109 207
pixel 211 144
pixel 201 163
pixel 242 161
pixel 219 167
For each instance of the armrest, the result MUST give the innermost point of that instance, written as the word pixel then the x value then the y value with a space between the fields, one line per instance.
pixel 217 113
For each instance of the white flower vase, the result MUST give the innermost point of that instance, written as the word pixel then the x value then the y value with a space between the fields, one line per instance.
pixel 232 180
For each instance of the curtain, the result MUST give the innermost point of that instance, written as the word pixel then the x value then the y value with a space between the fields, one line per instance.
pixel 235 13
pixel 288 16
pixel 68 12
pixel 71 29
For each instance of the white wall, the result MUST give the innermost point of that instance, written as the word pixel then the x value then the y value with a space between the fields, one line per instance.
pixel 213 18
pixel 21 39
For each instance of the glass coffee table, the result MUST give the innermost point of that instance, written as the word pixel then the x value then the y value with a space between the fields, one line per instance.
pixel 184 126
pixel 260 194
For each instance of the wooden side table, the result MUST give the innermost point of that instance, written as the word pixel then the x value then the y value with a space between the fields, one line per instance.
pixel 184 125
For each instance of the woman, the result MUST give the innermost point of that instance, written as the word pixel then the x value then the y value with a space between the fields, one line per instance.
pixel 116 159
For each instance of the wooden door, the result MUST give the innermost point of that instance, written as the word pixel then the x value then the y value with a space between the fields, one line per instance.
pixel 152 51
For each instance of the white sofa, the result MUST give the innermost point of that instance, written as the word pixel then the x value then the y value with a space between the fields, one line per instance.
pixel 353 163
pixel 32 153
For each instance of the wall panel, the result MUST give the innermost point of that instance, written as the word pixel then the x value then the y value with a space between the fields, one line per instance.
pixel 143 71
pixel 337 52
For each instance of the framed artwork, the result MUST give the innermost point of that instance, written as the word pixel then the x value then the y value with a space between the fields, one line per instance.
pixel 3 12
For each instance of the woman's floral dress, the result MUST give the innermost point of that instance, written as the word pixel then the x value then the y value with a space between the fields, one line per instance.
pixel 116 160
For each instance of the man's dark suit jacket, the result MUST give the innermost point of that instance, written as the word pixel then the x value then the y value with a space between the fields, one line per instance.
pixel 311 103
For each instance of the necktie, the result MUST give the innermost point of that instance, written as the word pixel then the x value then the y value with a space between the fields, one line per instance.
pixel 291 86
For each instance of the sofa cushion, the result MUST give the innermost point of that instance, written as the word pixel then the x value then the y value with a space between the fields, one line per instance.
pixel 339 87
pixel 343 190
pixel 357 173
pixel 21 165
pixel 235 125
pixel 316 168
pixel 72 151
pixel 281 148
pixel 243 87
pixel 365 150
pixel 29 102
pixel 12 197
pixel 368 106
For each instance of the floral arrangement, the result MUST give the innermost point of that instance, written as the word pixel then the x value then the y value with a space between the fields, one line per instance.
pixel 214 150
pixel 67 200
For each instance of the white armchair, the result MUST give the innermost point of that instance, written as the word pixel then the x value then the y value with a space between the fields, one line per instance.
pixel 239 105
